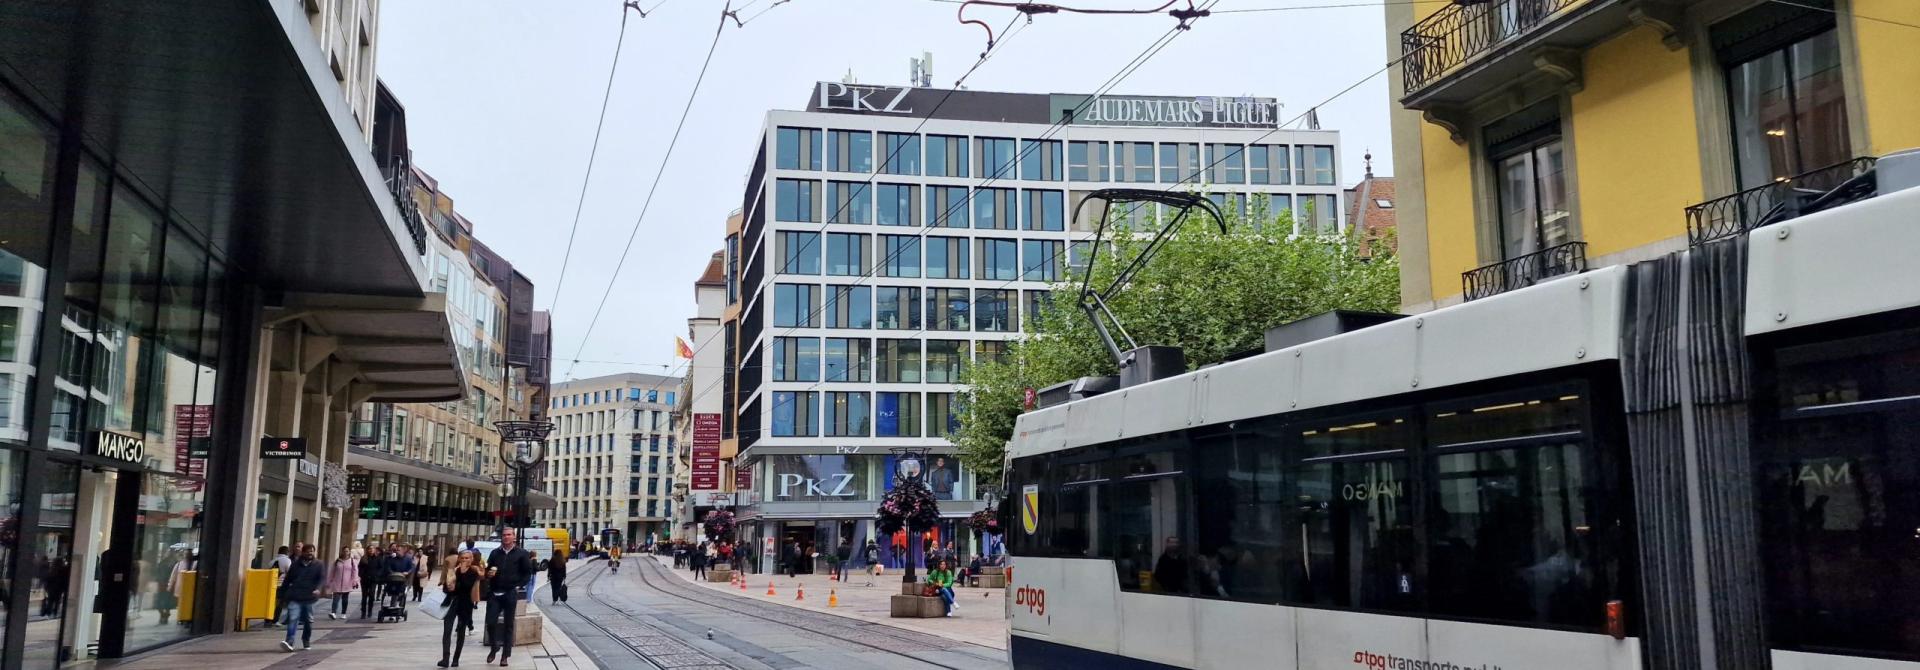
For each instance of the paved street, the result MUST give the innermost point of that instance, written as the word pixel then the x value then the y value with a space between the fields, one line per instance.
pixel 647 612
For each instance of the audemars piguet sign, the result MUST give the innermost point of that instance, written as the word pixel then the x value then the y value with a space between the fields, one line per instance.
pixel 1203 111
pixel 884 99
pixel 118 446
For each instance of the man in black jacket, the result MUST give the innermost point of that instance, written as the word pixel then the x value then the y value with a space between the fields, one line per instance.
pixel 509 569
pixel 302 583
pixel 373 578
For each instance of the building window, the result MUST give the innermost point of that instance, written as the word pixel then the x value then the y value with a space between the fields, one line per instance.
pixel 1530 173
pixel 1313 166
pixel 1358 550
pixel 948 308
pixel 849 359
pixel 946 257
pixel 993 209
pixel 899 361
pixel 1179 163
pixel 1088 161
pixel 899 205
pixel 999 259
pixel 847 414
pixel 849 307
pixel 998 311
pixel 796 359
pixel 897 307
pixel 1267 164
pixel 903 153
pixel 942 419
pixel 1135 162
pixel 899 256
pixel 896 414
pixel 996 157
pixel 797 149
pixel 847 254
pixel 1043 260
pixel 946 156
pixel 947 206
pixel 796 200
pixel 1040 160
pixel 1268 208
pixel 796 305
pixel 1232 205
pixel 799 252
pixel 1043 210
pixel 1227 164
pixel 1785 92
pixel 1318 215
pixel 849 202
pixel 849 151
pixel 796 413
pixel 945 360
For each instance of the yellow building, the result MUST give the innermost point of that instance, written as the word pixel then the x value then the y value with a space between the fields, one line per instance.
pixel 1534 138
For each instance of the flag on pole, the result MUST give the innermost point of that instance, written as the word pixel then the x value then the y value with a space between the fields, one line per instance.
pixel 681 349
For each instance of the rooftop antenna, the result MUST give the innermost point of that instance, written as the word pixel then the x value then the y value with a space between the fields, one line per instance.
pixel 1138 364
pixel 1313 118
pixel 848 77
pixel 926 69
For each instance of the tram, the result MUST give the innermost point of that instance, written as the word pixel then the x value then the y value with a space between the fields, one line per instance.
pixel 1710 459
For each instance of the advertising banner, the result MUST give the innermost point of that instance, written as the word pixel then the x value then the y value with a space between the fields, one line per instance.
pixel 706 452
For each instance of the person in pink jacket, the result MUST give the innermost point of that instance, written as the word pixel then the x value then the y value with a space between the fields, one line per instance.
pixel 343 578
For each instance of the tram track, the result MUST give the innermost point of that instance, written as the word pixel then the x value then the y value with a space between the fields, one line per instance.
pixel 684 655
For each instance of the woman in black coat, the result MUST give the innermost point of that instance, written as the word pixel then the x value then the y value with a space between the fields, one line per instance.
pixel 557 577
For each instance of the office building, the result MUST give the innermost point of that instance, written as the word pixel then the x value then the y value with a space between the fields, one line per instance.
pixel 705 480
pixel 610 461
pixel 858 304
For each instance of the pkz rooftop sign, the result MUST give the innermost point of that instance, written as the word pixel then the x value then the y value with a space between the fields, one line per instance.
pixel 1152 111
pixel 884 99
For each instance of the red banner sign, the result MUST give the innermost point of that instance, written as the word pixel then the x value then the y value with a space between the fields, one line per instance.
pixel 192 427
pixel 706 452
pixel 743 480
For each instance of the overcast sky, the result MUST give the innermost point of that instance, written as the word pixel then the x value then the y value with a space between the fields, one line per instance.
pixel 501 99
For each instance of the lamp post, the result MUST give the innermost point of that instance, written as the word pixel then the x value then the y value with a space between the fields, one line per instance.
pixel 908 467
pixel 522 448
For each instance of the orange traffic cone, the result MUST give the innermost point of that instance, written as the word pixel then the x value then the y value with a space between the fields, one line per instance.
pixel 833 576
pixel 770 587
pixel 800 592
pixel 743 582
pixel 833 598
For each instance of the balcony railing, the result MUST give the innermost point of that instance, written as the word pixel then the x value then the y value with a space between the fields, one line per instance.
pixel 400 183
pixel 1741 212
pixel 1460 32
pixel 1524 271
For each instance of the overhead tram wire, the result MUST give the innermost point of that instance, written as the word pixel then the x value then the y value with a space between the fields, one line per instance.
pixel 598 125
pixel 658 174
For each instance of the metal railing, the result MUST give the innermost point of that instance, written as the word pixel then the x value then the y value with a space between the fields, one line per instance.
pixel 1746 210
pixel 1524 271
pixel 1460 32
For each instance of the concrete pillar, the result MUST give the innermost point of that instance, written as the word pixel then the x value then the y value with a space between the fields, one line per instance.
pixel 339 422
pixel 285 408
pixel 313 425
pixel 240 523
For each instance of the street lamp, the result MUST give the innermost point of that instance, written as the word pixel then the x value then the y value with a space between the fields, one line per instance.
pixel 523 446
pixel 908 467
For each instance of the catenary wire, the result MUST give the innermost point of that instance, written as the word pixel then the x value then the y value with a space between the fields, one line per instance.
pixel 605 97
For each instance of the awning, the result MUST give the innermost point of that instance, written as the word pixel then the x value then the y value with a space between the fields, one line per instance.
pixel 380 461
pixel 397 349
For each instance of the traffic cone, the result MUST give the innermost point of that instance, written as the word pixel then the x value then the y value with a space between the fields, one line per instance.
pixel 800 592
pixel 833 598
pixel 743 582
pixel 770 587
pixel 833 576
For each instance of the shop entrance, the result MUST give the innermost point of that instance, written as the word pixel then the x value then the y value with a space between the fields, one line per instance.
pixel 797 547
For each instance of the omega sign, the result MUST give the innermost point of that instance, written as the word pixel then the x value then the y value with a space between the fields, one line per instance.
pixel 885 99
pixel 119 446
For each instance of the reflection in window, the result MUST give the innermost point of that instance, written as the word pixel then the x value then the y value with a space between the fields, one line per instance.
pixel 993 209
pixel 1267 164
pixel 1179 163
pixel 799 252
pixel 899 361
pixel 796 359
pixel 899 256
pixel 947 206
pixel 946 156
pixel 847 414
pixel 849 151
pixel 1088 161
pixel 849 202
pixel 849 306
pixel 1141 518
pixel 796 200
pixel 999 259
pixel 997 311
pixel 902 153
pixel 899 205
pixel 797 149
pixel 897 307
pixel 896 414
pixel 948 309
pixel 943 418
pixel 996 157
pixel 1043 210
pixel 1355 515
pixel 1040 160
pixel 796 305
pixel 1511 538
pixel 849 359
pixel 945 360
pixel 1043 260
pixel 1227 164
pixel 1788 102
pixel 1240 535
pixel 847 254
pixel 947 257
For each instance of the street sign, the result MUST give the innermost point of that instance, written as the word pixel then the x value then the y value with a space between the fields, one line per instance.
pixel 359 485
pixel 283 448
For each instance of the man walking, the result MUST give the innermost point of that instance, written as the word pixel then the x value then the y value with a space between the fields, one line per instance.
pixel 872 557
pixel 304 578
pixel 841 555
pixel 373 579
pixel 281 562
pixel 508 569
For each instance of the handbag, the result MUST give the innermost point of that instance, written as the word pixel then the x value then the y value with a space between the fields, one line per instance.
pixel 436 605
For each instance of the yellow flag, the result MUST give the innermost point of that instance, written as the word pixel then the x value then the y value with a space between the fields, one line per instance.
pixel 681 349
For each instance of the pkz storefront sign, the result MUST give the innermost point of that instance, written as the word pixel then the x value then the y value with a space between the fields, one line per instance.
pixel 118 446
pixel 1202 112
pixel 819 477
pixel 884 99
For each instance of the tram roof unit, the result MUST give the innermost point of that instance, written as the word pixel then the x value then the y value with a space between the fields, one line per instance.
pixel 1569 321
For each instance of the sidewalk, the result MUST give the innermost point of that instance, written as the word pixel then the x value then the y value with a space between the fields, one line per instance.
pixel 353 644
pixel 980 618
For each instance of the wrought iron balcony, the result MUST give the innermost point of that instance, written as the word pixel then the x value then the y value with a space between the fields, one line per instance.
pixel 1462 31
pixel 1759 206
pixel 1524 271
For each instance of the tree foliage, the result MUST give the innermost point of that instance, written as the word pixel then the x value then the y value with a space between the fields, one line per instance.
pixel 1210 293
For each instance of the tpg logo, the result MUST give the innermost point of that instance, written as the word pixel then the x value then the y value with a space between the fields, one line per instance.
pixel 1034 599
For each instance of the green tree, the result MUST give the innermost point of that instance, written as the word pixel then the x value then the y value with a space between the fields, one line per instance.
pixel 1210 293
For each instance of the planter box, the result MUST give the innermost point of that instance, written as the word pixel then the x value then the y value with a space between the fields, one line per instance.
pixel 990 581
pixel 917 607
pixel 526 629
pixel 720 575
pixel 994 570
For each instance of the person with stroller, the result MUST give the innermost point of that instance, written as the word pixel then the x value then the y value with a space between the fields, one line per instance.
pixel 400 567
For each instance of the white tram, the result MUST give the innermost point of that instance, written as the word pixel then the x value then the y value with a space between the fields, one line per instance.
pixel 1706 460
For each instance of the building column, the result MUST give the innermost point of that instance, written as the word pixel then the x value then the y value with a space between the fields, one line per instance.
pixel 285 408
pixel 339 424
pixel 229 564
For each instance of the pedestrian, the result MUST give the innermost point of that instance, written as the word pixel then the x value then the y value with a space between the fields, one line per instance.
pixel 872 556
pixel 372 575
pixel 342 579
pixel 304 580
pixel 461 583
pixel 422 570
pixel 699 563
pixel 557 577
pixel 793 559
pixel 281 561
pixel 942 579
pixel 190 563
pixel 841 555
pixel 508 569
pixel 398 567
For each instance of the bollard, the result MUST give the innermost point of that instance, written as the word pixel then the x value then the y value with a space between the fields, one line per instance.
pixel 833 598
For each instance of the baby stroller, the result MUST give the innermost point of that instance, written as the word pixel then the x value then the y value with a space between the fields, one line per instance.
pixel 393 604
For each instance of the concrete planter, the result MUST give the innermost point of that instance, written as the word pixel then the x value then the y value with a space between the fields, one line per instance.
pixel 719 575
pixel 917 607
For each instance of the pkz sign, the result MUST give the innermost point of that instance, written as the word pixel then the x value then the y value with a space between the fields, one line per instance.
pixel 1203 111
pixel 883 99
pixel 119 446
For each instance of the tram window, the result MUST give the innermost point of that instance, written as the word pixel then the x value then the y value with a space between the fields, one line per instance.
pixel 1028 472
pixel 1556 412
pixel 1239 536
pixel 1073 508
pixel 1141 517
pixel 1511 538
pixel 1353 514
pixel 1840 496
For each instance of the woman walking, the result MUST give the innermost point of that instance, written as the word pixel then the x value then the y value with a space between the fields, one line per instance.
pixel 372 574
pixel 343 577
pixel 461 583
pixel 422 568
pixel 557 577
pixel 698 561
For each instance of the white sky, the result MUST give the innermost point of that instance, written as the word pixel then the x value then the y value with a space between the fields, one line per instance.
pixel 501 99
